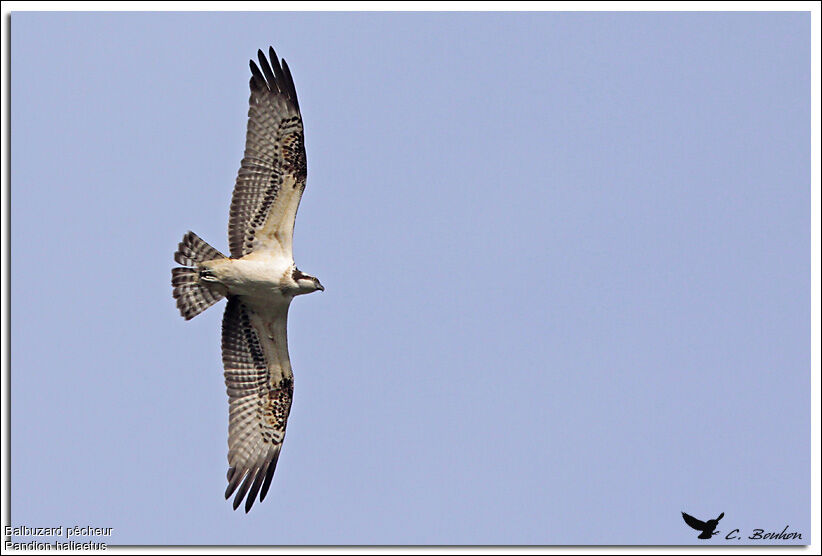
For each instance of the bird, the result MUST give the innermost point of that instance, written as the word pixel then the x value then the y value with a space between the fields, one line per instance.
pixel 259 279
pixel 706 527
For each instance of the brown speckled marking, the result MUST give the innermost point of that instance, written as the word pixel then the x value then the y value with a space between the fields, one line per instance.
pixel 276 407
pixel 293 153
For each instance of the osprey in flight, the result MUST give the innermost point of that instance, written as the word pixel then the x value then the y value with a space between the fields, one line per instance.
pixel 259 279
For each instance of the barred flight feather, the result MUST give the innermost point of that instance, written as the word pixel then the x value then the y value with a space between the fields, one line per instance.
pixel 259 383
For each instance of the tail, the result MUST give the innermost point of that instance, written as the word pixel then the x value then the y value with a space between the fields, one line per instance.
pixel 193 297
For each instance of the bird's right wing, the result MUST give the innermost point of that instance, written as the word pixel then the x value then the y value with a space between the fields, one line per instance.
pixel 260 385
pixel 694 522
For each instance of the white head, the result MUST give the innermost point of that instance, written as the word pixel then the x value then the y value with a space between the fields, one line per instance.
pixel 305 283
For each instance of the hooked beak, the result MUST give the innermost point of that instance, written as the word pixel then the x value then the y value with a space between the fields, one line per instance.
pixel 320 287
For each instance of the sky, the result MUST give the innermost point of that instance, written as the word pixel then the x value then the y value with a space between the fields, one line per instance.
pixel 566 260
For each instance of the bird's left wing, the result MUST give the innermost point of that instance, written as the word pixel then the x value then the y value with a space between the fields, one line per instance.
pixel 694 522
pixel 260 385
pixel 272 174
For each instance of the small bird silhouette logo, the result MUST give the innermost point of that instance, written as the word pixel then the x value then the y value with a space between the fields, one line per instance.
pixel 706 527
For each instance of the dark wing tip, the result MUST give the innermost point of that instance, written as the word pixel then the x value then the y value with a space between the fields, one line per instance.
pixel 273 76
pixel 270 79
pixel 257 80
pixel 233 482
pixel 289 84
pixel 255 488
pixel 252 482
pixel 243 489
pixel 269 474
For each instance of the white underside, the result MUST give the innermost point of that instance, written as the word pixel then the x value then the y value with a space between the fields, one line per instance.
pixel 262 279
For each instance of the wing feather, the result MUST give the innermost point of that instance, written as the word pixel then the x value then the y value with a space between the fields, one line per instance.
pixel 272 174
pixel 259 383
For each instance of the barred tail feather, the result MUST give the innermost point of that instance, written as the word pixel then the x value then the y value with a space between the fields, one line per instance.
pixel 193 250
pixel 193 297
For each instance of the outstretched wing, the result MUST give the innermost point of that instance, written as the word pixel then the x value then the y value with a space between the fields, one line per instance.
pixel 694 522
pixel 260 385
pixel 272 174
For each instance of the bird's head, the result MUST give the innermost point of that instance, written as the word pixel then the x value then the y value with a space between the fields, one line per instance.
pixel 714 522
pixel 305 283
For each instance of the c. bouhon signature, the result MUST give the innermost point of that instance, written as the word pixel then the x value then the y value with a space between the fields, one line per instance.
pixel 762 535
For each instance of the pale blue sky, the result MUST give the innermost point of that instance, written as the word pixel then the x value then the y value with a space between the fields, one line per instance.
pixel 567 262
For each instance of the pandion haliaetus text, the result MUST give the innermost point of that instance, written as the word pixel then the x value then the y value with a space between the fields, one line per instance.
pixel 259 279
